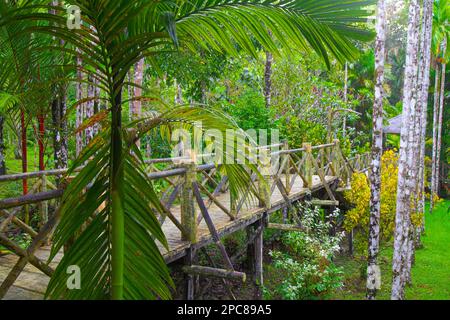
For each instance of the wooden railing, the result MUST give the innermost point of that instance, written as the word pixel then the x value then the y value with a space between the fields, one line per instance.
pixel 192 189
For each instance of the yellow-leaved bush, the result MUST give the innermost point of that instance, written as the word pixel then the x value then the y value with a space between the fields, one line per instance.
pixel 359 197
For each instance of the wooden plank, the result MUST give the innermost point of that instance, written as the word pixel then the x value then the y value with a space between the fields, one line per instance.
pixel 215 273
pixel 285 227
pixel 325 203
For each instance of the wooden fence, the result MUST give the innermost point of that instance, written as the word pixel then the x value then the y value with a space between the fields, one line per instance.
pixel 188 194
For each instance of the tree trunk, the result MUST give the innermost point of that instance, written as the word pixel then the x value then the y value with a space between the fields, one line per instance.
pixel 24 151
pixel 377 153
pixel 268 79
pixel 80 107
pixel 178 93
pixel 60 145
pixel 117 196
pixel 406 161
pixel 2 147
pixel 435 128
pixel 440 121
pixel 344 125
pixel 89 132
pixel 424 76
pixel 130 94
pixel 136 111
pixel 41 137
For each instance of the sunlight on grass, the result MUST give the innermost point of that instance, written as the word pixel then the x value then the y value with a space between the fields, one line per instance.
pixel 430 274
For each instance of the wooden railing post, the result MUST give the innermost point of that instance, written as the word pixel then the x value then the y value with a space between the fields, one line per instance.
pixel 188 212
pixel 308 165
pixel 287 167
pixel 336 157
pixel 263 183
pixel 43 206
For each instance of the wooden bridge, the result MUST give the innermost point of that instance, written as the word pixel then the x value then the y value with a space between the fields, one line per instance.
pixel 199 211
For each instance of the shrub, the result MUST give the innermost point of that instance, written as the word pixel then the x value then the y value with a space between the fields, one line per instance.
pixel 307 267
pixel 359 197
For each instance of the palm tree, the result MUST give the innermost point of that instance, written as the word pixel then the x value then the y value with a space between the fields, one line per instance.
pixel 109 49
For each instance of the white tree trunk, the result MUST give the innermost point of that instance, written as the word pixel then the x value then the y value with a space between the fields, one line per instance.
pixel 406 158
pixel 80 107
pixel 344 125
pixel 136 111
pixel 425 66
pixel 178 93
pixel 377 153
pixel 89 132
pixel 440 120
pixel 435 127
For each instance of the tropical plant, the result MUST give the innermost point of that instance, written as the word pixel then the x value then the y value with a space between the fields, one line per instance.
pixel 116 34
pixel 307 269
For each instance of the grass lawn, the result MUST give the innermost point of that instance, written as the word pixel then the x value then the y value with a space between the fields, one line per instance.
pixel 430 274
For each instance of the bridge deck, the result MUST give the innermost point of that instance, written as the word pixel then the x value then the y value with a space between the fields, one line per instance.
pixel 32 283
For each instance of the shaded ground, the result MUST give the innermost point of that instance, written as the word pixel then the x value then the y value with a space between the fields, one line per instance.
pixel 430 275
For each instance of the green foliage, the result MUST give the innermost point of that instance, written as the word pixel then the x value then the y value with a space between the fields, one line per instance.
pixel 307 269
pixel 116 247
pixel 359 197
pixel 250 111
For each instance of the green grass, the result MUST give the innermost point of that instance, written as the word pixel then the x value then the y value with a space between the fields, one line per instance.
pixel 430 274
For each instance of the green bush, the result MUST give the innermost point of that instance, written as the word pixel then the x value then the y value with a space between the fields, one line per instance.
pixel 306 266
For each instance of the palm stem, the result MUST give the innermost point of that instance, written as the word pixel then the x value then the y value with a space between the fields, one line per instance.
pixel 117 220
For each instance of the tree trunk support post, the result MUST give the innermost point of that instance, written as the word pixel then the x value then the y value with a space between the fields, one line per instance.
pixel 189 277
pixel 188 212
pixel 287 168
pixel 259 255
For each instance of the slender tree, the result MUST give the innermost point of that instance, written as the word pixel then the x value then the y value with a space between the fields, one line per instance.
pixel 440 118
pixel 435 134
pixel 268 79
pixel 441 32
pixel 421 128
pixel 136 110
pixel 406 185
pixel 377 153
pixel 80 107
pixel 2 146
pixel 344 125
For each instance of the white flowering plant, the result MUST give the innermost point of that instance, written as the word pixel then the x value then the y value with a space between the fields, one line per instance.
pixel 307 267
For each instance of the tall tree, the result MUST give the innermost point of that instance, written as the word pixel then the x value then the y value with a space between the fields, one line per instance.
pixel 344 125
pixel 435 134
pixel 59 115
pixel 373 270
pixel 424 86
pixel 406 185
pixel 441 33
pixel 80 107
pixel 136 110
pixel 440 118
pixel 268 79
pixel 2 146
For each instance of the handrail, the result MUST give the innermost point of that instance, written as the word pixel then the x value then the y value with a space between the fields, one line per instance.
pixel 157 175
